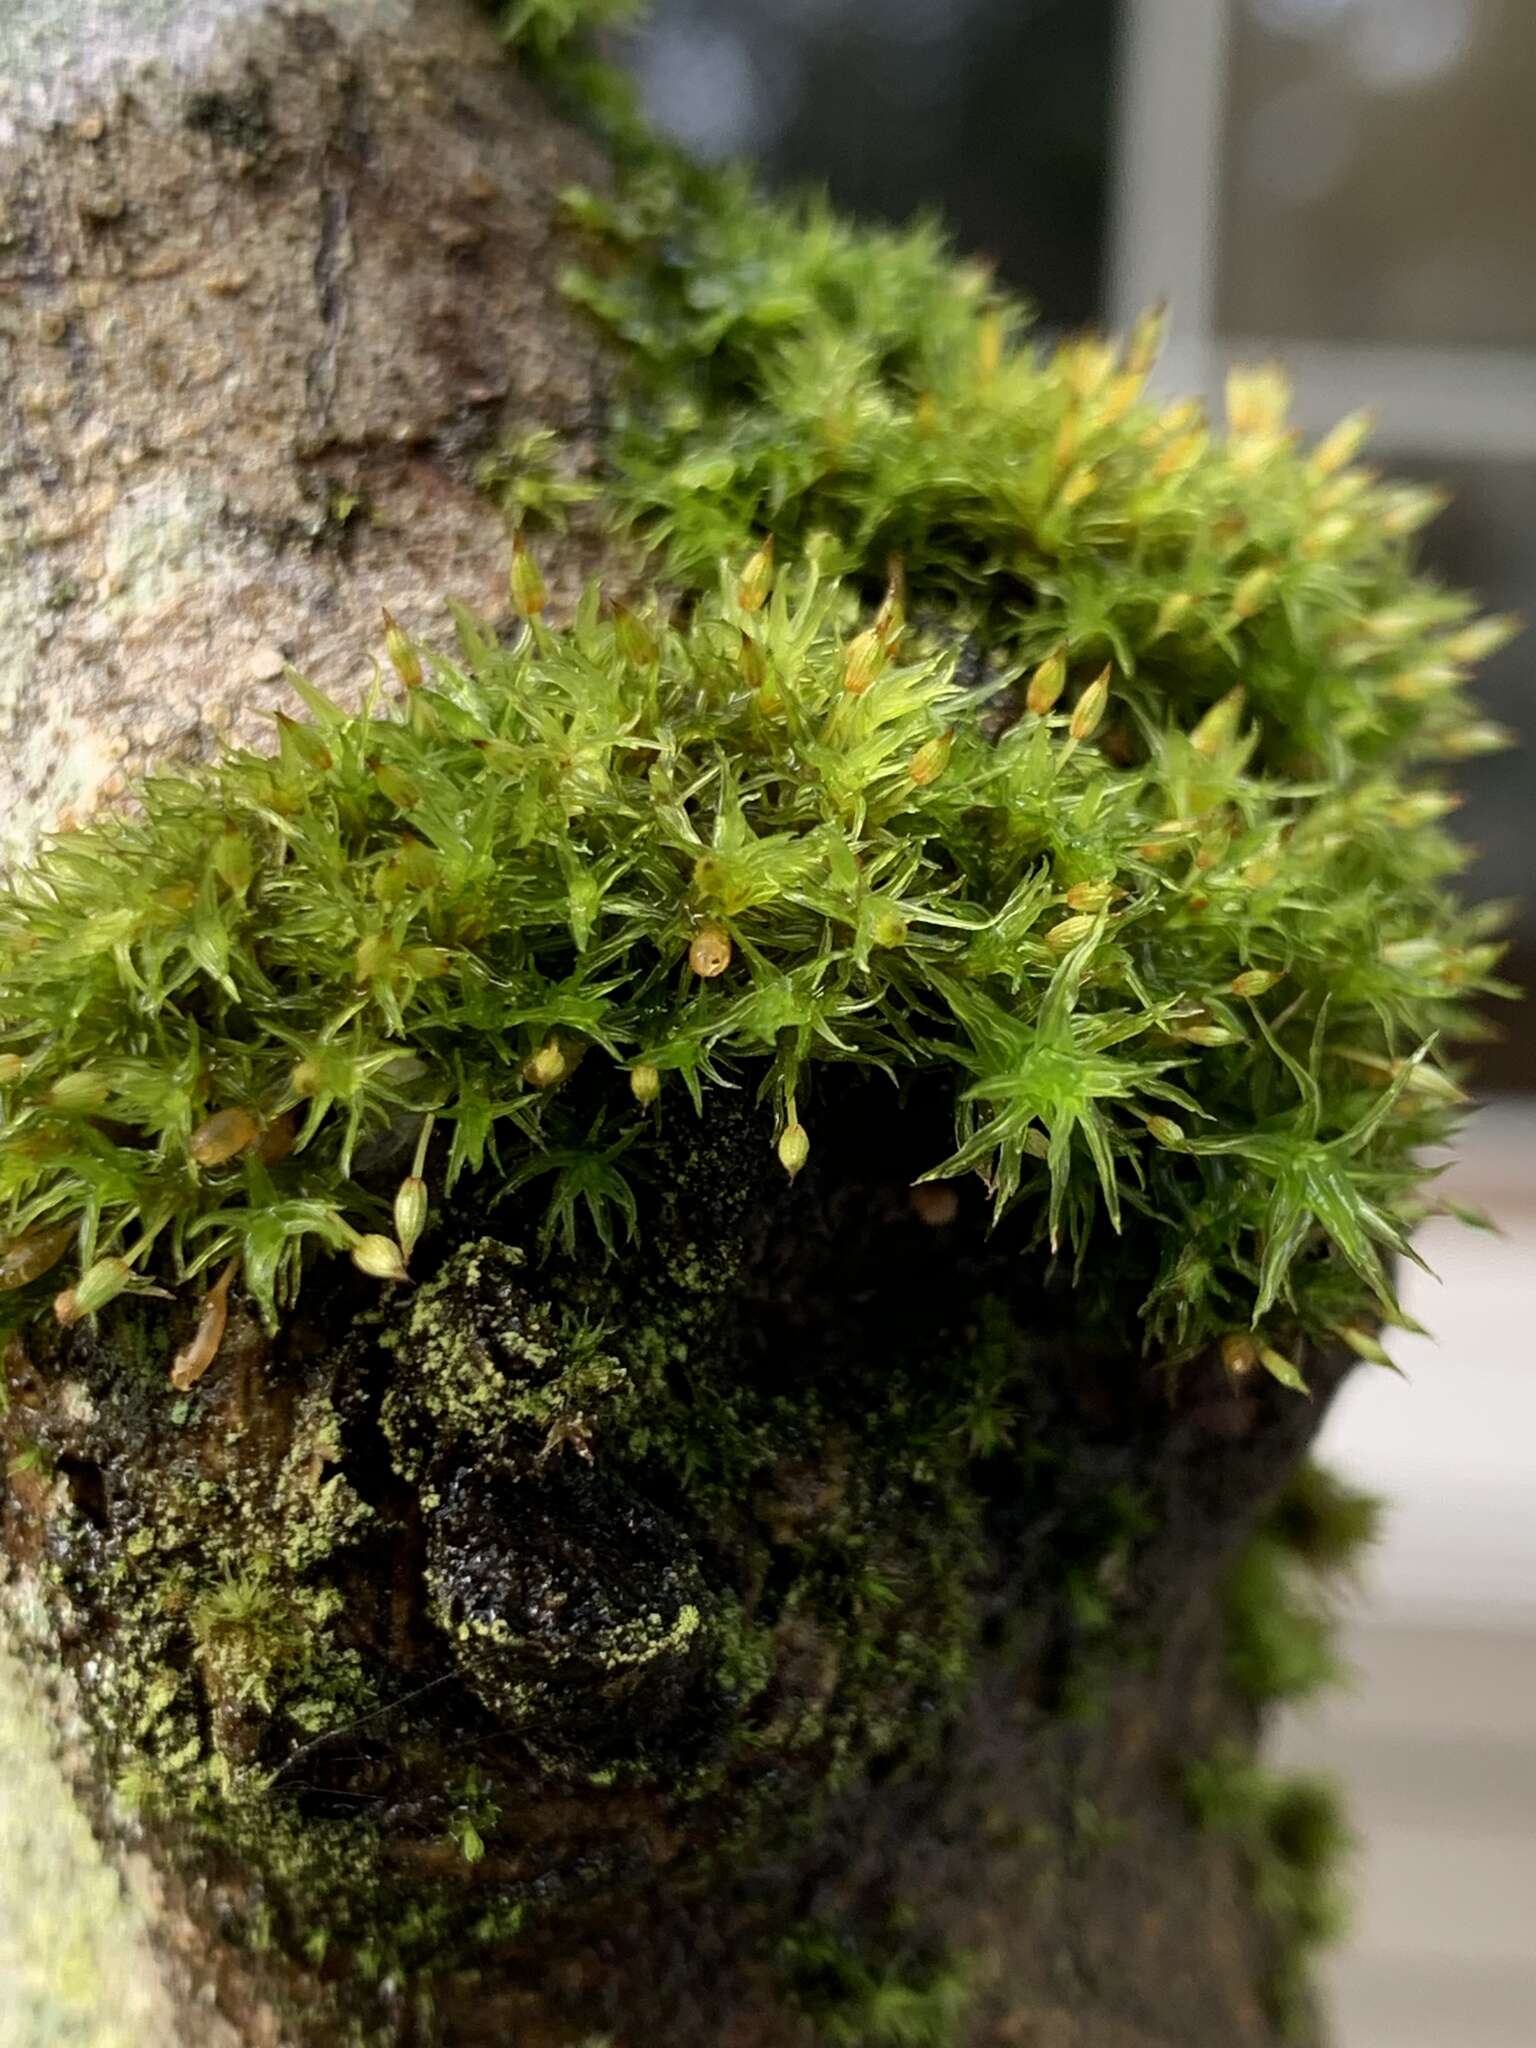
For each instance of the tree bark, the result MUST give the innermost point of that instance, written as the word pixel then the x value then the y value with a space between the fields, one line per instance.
pixel 272 278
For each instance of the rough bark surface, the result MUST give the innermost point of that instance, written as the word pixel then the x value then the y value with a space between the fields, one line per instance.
pixel 272 276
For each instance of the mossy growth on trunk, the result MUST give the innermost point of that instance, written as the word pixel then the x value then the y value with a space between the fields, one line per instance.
pixel 860 1095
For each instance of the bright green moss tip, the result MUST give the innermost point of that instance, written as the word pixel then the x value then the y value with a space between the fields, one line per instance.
pixel 1121 811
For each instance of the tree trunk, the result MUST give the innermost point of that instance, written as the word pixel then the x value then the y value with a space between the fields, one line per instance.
pixel 275 276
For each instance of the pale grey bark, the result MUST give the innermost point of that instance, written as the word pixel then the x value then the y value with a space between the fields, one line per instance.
pixel 272 276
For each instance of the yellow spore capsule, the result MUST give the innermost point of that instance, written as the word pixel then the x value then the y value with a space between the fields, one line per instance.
pixel 710 953
pixel 794 1147
pixel 379 1257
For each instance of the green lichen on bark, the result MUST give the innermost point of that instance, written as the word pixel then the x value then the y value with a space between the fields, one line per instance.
pixel 1280 1606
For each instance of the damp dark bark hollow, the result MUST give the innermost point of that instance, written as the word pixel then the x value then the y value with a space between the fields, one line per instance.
pixel 552 1715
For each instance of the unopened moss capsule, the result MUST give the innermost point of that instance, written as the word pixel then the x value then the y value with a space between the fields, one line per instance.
pixel 276 1140
pixel 1089 708
pixel 756 579
pixel 794 1147
pixel 1218 726
pixel 644 1083
pixel 863 661
pixel 202 1348
pixel 1090 896
pixel 709 954
pixel 1239 1353
pixel 1047 683
pixel 403 657
pixel 410 1212
pixel 98 1285
pixel 931 759
pixel 233 861
pixel 1070 932
pixel 379 1257
pixel 547 1067
pixel 222 1135
pixel 526 582
pixel 29 1256
pixel 634 639
pixel 1255 981
pixel 1253 593
pixel 80 1093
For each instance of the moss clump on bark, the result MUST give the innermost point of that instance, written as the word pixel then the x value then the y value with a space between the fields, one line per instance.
pixel 814 1041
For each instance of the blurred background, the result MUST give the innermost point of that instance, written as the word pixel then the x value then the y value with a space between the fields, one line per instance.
pixel 1349 186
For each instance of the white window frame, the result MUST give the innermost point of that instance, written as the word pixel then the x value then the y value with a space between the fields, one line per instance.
pixel 1164 244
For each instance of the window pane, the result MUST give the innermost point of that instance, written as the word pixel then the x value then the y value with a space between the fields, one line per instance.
pixel 994 113
pixel 1381 172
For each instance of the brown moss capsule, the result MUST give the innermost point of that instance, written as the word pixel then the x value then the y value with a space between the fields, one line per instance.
pixel 202 1348
pixel 276 1140
pixel 891 617
pixel 529 594
pixel 935 1203
pixel 1165 1130
pixel 28 1257
pixel 1257 981
pixel 396 785
pixel 710 953
pixel 752 662
pixel 222 1135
